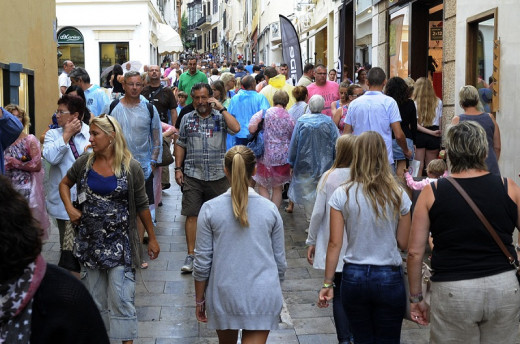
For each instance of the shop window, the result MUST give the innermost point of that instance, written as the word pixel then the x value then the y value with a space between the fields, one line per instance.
pixel 483 52
pixel 70 47
pixel 112 53
pixel 17 87
pixel 398 42
pixel 363 41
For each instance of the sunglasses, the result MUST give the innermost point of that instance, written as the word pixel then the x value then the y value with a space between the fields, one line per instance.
pixel 109 120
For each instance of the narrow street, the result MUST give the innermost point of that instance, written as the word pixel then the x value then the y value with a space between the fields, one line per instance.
pixel 165 298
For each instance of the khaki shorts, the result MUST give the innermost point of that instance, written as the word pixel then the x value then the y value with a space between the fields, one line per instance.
pixel 195 192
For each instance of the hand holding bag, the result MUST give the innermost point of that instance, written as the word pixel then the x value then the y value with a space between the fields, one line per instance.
pixel 255 141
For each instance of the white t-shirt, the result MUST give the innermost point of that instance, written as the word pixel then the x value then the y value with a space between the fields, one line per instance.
pixel 64 80
pixel 371 240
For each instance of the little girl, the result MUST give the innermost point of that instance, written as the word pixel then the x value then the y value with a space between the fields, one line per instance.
pixel 436 169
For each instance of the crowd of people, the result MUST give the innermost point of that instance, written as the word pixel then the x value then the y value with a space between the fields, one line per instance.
pixel 340 149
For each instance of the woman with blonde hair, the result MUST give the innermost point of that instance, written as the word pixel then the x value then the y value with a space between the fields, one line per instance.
pixel 469 100
pixel 372 208
pixel 229 81
pixel 23 166
pixel 319 229
pixel 111 195
pixel 244 230
pixel 429 113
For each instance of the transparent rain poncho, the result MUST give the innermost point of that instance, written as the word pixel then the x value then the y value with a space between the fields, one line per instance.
pixel 311 153
pixel 144 139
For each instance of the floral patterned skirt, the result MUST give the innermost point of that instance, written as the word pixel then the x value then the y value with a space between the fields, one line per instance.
pixel 271 176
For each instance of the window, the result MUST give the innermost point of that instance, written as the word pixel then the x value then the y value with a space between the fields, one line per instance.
pixel 15 76
pixel 70 47
pixel 112 53
pixel 215 6
pixel 483 52
pixel 398 42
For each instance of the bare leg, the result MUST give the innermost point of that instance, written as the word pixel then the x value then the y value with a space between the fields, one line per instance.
pixel 227 336
pixel 431 155
pixel 191 233
pixel 277 195
pixel 290 207
pixel 419 155
pixel 254 337
pixel 263 191
pixel 399 168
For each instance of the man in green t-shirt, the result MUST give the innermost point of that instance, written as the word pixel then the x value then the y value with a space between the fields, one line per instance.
pixel 190 78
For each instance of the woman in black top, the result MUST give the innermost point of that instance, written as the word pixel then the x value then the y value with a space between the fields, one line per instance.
pixel 397 88
pixel 115 81
pixel 475 292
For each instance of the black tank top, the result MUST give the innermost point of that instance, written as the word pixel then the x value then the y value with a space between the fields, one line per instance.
pixel 463 248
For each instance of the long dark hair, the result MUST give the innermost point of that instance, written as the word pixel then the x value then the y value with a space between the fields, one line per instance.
pixel 20 241
pixel 397 88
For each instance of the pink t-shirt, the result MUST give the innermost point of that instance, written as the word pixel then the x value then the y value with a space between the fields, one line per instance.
pixel 329 92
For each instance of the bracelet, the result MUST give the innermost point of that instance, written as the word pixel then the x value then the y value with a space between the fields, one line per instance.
pixel 178 168
pixel 416 298
pixel 329 285
pixel 200 303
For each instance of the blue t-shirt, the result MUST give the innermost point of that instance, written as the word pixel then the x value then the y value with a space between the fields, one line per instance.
pixel 101 185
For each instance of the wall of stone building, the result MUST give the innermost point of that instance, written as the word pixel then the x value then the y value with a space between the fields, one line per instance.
pixel 380 36
pixel 28 38
pixel 507 31
pixel 448 63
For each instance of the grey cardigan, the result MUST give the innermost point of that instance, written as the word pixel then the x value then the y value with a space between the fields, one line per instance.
pixel 137 198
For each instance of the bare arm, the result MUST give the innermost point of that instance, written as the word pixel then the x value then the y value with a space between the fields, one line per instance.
pixel 65 185
pixel 153 245
pixel 497 146
pixel 401 138
pixel 179 153
pixel 347 129
pixel 418 238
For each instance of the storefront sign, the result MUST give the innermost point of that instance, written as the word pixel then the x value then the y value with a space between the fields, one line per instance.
pixel 70 35
pixel 291 48
pixel 436 33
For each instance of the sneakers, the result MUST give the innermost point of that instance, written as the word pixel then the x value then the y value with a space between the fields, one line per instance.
pixel 188 264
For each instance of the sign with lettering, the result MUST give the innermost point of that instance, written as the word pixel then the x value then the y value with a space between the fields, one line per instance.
pixel 70 35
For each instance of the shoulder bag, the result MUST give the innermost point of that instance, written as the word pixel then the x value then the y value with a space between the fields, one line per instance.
pixel 255 141
pixel 488 226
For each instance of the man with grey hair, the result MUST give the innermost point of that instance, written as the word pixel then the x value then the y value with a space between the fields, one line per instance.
pixel 311 153
pixel 64 79
pixel 377 112
pixel 96 98
pixel 141 127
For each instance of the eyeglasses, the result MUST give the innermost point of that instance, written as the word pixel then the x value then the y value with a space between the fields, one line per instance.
pixel 104 115
pixel 61 112
pixel 134 85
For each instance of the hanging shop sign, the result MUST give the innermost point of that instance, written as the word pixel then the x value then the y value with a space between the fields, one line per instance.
pixel 70 35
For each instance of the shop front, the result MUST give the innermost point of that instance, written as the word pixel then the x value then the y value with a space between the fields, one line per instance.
pixel 70 47
pixel 415 40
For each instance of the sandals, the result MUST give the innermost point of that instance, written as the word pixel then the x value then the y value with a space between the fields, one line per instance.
pixel 144 265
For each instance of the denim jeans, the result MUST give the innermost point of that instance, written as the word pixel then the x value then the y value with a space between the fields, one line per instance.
pixel 113 291
pixel 340 316
pixel 375 302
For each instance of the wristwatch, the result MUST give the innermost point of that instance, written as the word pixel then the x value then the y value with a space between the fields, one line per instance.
pixel 416 298
pixel 223 109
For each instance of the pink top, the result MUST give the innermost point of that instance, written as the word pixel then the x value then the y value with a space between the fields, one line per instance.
pixel 329 92
pixel 278 129
pixel 412 184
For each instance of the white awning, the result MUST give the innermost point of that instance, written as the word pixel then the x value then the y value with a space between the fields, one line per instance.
pixel 168 40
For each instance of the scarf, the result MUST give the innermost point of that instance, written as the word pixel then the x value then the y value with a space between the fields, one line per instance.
pixel 16 299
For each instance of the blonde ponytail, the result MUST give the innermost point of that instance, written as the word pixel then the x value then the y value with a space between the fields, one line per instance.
pixel 240 163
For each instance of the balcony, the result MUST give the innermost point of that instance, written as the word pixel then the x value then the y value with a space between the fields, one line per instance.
pixel 204 23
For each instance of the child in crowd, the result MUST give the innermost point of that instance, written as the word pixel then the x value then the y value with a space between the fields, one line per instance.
pixel 181 100
pixel 436 169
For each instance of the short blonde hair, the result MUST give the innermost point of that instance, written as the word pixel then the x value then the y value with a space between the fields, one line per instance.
pixel 26 121
pixel 468 96
pixel 437 167
pixel 467 147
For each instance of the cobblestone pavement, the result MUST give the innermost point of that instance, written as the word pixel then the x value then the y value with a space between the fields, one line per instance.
pixel 165 298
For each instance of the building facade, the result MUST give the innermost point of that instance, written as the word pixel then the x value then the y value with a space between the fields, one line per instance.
pixel 28 73
pixel 109 32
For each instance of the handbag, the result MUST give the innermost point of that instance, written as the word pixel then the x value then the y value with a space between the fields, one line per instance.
pixel 167 157
pixel 426 273
pixel 255 141
pixel 488 226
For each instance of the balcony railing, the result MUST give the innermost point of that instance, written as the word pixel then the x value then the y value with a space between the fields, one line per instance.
pixel 205 20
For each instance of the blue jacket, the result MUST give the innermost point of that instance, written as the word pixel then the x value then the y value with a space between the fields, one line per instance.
pixel 10 129
pixel 244 105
